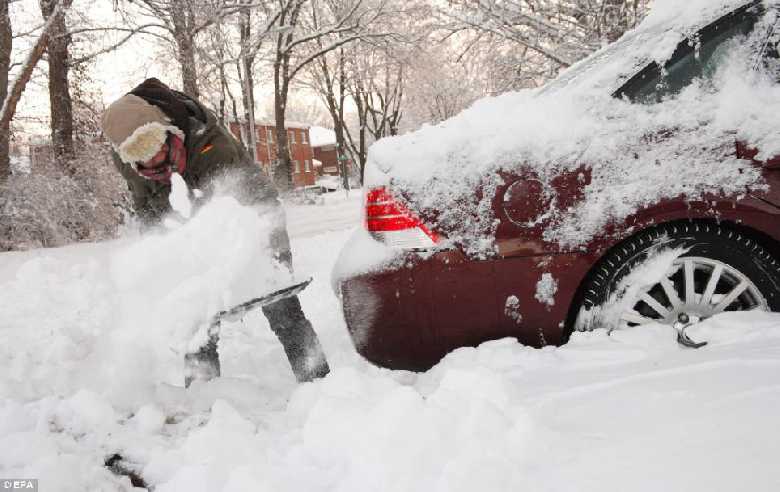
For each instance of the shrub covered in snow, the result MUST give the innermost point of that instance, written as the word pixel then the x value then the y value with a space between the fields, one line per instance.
pixel 60 203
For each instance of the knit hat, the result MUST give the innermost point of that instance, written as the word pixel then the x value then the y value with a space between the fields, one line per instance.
pixel 136 129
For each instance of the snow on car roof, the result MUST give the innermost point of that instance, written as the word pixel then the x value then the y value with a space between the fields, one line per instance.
pixel 545 132
pixel 668 23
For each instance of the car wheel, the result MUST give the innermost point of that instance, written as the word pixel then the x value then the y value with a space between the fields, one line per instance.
pixel 719 269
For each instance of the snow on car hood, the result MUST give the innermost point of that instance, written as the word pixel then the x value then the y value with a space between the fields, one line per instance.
pixel 637 154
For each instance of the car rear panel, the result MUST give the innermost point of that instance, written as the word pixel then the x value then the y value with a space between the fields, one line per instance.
pixel 388 316
pixel 411 317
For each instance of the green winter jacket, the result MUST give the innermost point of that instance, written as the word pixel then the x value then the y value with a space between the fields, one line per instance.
pixel 213 155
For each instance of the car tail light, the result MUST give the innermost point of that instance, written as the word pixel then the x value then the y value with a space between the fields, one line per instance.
pixel 390 222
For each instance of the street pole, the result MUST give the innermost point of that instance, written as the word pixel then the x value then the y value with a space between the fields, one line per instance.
pixel 342 160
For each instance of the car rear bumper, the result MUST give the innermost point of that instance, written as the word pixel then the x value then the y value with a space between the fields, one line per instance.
pixel 409 317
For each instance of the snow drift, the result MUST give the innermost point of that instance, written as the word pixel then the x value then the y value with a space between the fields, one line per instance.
pixel 602 413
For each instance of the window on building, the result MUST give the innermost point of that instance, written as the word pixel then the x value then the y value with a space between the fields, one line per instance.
pixel 297 165
pixel 270 135
pixel 307 165
pixel 303 136
pixel 292 136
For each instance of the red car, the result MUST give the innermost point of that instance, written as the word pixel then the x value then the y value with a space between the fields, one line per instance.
pixel 652 199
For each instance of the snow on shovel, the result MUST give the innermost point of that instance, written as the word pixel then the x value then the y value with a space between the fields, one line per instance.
pixel 203 365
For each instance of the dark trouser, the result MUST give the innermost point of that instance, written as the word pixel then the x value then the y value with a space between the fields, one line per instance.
pixel 298 339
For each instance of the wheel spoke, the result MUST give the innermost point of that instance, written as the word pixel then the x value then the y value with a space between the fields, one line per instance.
pixel 654 305
pixel 634 317
pixel 714 278
pixel 671 293
pixel 690 293
pixel 739 289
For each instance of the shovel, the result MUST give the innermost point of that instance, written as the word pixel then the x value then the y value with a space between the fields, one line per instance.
pixel 203 365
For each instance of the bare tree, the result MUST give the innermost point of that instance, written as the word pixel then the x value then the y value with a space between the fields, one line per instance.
pixel 17 87
pixel 546 35
pixel 376 85
pixel 6 46
pixel 329 80
pixel 307 30
pixel 440 87
pixel 248 31
pixel 371 75
pixel 384 96
pixel 216 80
pixel 61 106
pixel 180 22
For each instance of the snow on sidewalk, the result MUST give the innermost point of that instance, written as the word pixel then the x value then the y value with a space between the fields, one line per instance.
pixel 629 411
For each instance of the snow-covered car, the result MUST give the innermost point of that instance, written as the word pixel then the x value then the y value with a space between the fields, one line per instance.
pixel 640 186
pixel 329 183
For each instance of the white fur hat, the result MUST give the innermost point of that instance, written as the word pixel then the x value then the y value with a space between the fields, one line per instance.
pixel 136 129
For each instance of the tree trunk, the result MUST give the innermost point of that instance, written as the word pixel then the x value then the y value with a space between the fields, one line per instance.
pixel 283 171
pixel 19 84
pixel 248 82
pixel 362 110
pixel 181 18
pixel 59 89
pixel 339 125
pixel 6 44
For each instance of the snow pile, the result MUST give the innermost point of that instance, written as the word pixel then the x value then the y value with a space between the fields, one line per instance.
pixel 628 155
pixel 124 316
pixel 500 417
pixel 363 254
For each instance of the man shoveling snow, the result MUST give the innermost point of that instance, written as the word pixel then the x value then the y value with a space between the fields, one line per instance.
pixel 161 136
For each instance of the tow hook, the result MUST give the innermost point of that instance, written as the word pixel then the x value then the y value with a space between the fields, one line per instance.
pixel 683 323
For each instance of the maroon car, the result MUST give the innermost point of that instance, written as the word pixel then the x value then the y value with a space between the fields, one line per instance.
pixel 641 192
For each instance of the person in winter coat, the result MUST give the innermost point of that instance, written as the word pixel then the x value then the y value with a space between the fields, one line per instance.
pixel 155 131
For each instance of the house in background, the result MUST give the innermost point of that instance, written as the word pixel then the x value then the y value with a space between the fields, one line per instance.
pixel 328 156
pixel 326 151
pixel 301 154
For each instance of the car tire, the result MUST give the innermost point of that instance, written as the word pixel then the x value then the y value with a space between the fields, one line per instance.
pixel 719 262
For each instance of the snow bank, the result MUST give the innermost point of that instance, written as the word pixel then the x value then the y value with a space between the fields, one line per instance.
pixel 498 417
pixel 635 154
pixel 126 315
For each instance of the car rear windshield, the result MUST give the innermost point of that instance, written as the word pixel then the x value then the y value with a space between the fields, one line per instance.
pixel 694 58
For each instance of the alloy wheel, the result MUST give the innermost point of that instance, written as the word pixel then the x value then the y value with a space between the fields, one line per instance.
pixel 693 289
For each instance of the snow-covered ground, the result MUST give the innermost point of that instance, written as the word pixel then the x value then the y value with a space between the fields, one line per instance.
pixel 629 411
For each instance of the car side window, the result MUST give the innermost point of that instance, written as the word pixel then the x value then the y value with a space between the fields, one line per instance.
pixel 693 59
pixel 770 57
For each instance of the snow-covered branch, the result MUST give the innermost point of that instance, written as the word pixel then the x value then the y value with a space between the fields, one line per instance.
pixel 17 87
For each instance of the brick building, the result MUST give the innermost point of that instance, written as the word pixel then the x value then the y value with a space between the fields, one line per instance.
pixel 327 154
pixel 301 154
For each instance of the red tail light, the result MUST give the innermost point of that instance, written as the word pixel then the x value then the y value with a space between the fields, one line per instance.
pixel 390 222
